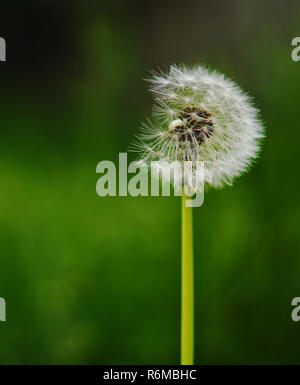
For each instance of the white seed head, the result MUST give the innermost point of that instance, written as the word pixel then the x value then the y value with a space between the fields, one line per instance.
pixel 201 116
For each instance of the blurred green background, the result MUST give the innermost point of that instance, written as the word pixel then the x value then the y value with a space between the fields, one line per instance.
pixel 91 280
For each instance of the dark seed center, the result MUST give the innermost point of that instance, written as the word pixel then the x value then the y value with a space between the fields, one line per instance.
pixel 197 124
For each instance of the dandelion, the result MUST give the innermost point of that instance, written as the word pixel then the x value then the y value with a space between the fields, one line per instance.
pixel 199 115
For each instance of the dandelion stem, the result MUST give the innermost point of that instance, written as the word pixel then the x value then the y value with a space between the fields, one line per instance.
pixel 187 285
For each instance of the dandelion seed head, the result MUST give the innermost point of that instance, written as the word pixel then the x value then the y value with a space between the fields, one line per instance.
pixel 200 115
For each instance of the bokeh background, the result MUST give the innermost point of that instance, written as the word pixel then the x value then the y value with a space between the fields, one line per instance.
pixel 91 280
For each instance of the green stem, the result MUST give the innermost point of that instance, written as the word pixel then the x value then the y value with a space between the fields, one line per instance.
pixel 187 285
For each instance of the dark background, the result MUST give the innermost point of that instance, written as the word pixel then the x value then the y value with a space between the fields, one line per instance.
pixel 91 280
